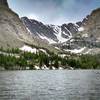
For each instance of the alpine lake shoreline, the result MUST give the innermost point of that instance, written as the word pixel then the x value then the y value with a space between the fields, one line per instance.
pixel 16 59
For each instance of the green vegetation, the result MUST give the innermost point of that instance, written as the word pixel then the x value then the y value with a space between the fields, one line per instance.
pixel 14 59
pixel 85 62
pixel 13 50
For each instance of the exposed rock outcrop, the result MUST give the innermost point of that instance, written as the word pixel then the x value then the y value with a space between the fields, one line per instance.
pixel 12 31
pixel 85 33
pixel 4 3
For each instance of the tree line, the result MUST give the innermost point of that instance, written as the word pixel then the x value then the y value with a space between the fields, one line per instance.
pixel 27 59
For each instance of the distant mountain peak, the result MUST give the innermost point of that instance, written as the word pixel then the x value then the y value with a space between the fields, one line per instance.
pixel 83 36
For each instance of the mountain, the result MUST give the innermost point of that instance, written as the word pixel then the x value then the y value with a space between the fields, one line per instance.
pixel 87 40
pixel 50 33
pixel 13 33
pixel 92 25
pixel 12 30
pixel 79 37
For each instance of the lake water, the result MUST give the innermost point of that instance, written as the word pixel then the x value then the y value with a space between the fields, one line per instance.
pixel 50 85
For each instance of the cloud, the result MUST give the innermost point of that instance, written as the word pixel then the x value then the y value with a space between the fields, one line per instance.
pixel 84 2
pixel 54 11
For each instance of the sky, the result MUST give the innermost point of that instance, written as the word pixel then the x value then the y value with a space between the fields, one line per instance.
pixel 54 11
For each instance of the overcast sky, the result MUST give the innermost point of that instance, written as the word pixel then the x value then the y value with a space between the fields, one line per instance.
pixel 54 11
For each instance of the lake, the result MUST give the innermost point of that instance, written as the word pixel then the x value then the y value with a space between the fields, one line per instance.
pixel 50 85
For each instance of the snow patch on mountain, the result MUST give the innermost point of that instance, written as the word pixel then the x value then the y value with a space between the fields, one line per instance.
pixel 76 51
pixel 62 55
pixel 69 32
pixel 28 49
pixel 59 36
pixel 58 33
pixel 85 35
pixel 44 51
pixel 57 48
pixel 81 29
pixel 28 30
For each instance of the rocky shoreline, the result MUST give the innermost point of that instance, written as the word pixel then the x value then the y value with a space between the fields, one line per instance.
pixel 36 68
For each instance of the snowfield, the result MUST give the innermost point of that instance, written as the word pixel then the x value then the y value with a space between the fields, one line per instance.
pixel 28 49
pixel 81 29
pixel 76 51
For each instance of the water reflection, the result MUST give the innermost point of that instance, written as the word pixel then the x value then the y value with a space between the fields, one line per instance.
pixel 50 85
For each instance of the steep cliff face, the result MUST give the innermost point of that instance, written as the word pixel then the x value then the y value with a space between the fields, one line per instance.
pixel 83 34
pixel 50 33
pixel 3 3
pixel 12 30
pixel 93 23
pixel 15 32
pixel 89 35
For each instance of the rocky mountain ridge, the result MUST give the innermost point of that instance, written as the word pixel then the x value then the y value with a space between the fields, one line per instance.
pixel 80 37
pixel 13 33
pixel 72 36
pixel 50 33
